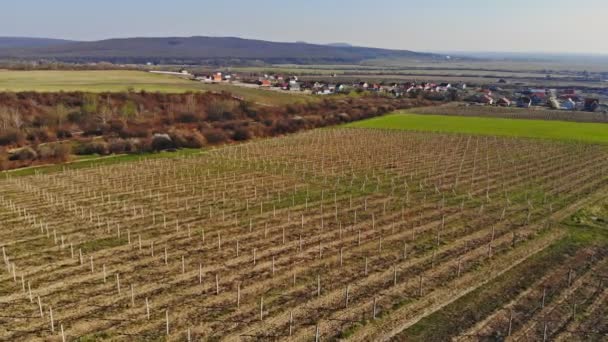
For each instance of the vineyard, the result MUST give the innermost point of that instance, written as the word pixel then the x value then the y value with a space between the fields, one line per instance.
pixel 328 234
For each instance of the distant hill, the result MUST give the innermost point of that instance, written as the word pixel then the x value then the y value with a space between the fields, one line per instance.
pixel 24 42
pixel 197 50
pixel 339 45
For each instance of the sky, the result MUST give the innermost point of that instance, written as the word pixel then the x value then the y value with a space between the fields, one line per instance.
pixel 438 25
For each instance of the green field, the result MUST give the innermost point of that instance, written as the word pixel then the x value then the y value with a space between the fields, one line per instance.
pixel 556 130
pixel 123 80
pixel 92 80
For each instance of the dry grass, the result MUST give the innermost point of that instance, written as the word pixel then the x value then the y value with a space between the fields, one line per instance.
pixel 123 80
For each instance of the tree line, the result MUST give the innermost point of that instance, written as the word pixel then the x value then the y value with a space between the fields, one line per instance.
pixel 45 127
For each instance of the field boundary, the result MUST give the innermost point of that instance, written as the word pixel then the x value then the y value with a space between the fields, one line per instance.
pixel 573 132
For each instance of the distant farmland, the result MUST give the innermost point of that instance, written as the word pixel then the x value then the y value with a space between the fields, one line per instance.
pixel 544 129
pixel 124 80
pixel 366 234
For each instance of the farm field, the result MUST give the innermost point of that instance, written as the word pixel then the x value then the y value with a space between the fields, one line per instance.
pixel 92 81
pixel 124 80
pixel 315 236
pixel 462 109
pixel 543 129
pixel 261 96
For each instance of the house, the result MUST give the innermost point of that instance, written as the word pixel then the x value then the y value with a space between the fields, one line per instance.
pixel 294 85
pixel 569 104
pixel 443 87
pixel 486 99
pixel 503 102
pixel 217 77
pixel 265 83
pixel 538 98
pixel 572 97
pixel 568 92
pixel 324 91
pixel 317 85
pixel 524 102
pixel 205 78
pixel 591 104
pixel 429 86
pixel 537 90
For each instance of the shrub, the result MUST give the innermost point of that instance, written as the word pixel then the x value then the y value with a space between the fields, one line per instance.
pixel 187 139
pixel 93 129
pixel 220 110
pixel 45 151
pixel 24 153
pixel 40 135
pixel 93 147
pixel 162 142
pixel 77 117
pixel 90 103
pixel 3 161
pixel 134 131
pixel 143 145
pixel 129 110
pixel 59 151
pixel 187 117
pixel 116 126
pixel 63 133
pixel 118 145
pixel 11 137
pixel 63 152
pixel 241 134
pixel 249 109
pixel 215 136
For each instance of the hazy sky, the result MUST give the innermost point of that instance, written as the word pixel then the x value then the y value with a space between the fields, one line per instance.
pixel 437 25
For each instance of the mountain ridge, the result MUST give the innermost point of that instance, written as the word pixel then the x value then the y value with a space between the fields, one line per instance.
pixel 30 42
pixel 199 49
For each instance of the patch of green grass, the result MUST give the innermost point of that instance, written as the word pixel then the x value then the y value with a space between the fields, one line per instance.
pixel 93 81
pixel 95 160
pixel 555 130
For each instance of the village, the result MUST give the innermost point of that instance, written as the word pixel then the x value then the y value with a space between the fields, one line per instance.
pixel 500 93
